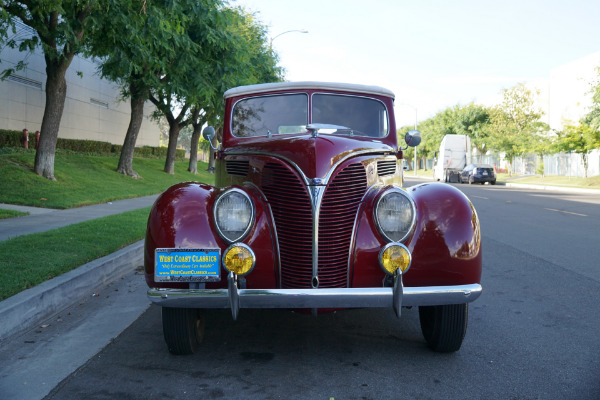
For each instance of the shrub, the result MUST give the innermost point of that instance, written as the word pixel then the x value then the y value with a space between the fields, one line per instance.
pixel 12 139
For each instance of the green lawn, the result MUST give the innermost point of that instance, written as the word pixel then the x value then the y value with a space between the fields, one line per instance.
pixel 26 261
pixel 29 260
pixel 589 183
pixel 83 180
pixel 11 213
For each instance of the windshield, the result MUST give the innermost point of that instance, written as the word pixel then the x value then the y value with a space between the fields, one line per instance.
pixel 288 113
pixel 269 115
pixel 360 116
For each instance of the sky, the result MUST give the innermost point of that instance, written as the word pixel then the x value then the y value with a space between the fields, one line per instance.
pixel 433 54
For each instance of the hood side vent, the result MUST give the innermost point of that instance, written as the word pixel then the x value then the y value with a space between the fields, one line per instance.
pixel 386 167
pixel 236 167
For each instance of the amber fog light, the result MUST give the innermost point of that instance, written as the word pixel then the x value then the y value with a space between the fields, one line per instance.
pixel 239 259
pixel 393 257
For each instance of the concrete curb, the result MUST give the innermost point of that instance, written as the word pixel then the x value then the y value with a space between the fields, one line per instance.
pixel 553 188
pixel 23 310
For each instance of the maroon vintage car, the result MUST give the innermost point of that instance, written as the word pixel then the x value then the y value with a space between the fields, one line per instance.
pixel 308 212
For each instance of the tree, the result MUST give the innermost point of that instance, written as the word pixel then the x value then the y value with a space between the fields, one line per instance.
pixel 473 120
pixel 138 43
pixel 581 139
pixel 61 27
pixel 230 49
pixel 513 122
pixel 592 118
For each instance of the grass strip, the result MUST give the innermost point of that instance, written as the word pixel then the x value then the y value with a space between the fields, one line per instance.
pixel 27 261
pixel 11 213
pixel 85 179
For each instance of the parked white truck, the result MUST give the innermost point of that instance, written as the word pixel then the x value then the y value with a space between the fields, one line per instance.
pixel 454 155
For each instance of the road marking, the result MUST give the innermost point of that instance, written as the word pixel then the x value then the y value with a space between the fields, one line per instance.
pixel 565 212
pixel 480 197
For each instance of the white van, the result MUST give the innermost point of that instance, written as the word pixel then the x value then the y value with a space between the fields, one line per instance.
pixel 454 155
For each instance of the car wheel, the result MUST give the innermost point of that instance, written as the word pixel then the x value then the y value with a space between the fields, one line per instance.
pixel 444 327
pixel 493 182
pixel 183 329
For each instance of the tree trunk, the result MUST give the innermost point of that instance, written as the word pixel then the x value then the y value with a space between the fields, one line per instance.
pixel 56 93
pixel 174 128
pixel 138 98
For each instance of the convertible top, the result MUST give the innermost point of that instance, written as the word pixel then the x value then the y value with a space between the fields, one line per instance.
pixel 279 86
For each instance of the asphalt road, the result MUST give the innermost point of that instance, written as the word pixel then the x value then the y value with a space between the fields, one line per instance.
pixel 533 334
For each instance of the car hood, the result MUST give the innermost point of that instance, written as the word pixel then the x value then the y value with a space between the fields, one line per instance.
pixel 315 156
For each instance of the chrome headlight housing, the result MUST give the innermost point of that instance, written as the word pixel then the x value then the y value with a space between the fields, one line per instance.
pixel 395 215
pixel 234 213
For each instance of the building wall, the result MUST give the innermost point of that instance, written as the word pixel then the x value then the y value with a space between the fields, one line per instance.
pixel 92 110
pixel 569 87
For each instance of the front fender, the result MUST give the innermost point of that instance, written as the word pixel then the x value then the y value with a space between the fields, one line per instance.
pixel 182 217
pixel 446 245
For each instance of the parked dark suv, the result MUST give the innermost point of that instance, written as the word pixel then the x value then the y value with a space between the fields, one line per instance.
pixel 478 173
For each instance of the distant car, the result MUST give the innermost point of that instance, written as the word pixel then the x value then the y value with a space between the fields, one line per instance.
pixel 478 173
pixel 308 213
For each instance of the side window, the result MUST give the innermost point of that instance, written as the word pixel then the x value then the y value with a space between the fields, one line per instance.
pixel 270 115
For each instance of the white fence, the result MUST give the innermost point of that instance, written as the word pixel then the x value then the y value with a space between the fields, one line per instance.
pixel 564 164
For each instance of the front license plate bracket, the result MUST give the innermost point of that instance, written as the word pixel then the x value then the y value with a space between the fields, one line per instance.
pixel 187 265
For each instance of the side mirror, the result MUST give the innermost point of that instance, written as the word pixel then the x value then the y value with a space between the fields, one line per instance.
pixel 412 138
pixel 208 133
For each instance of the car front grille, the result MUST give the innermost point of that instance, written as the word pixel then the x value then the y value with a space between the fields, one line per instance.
pixel 291 206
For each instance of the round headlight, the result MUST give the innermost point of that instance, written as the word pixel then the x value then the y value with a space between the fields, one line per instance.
pixel 239 259
pixel 395 215
pixel 233 214
pixel 395 257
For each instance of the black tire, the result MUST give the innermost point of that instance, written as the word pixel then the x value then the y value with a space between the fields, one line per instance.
pixel 444 327
pixel 493 182
pixel 183 329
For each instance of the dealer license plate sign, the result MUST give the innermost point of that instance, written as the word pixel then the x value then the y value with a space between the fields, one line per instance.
pixel 187 265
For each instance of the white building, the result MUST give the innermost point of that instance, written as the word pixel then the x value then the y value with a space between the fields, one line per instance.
pixel 564 98
pixel 92 110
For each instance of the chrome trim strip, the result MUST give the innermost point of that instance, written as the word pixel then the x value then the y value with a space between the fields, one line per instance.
pixel 326 178
pixel 315 298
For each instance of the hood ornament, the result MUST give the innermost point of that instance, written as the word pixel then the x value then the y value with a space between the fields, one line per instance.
pixel 313 130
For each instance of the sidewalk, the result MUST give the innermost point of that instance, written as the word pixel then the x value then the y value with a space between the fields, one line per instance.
pixel 50 330
pixel 45 219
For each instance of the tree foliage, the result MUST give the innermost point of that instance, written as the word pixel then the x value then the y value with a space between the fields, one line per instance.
pixel 580 138
pixel 513 122
pixel 61 28
pixel 138 43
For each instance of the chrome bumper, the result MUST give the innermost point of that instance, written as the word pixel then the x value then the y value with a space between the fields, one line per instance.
pixel 383 297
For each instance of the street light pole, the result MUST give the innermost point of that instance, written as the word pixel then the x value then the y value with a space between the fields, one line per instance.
pixel 283 33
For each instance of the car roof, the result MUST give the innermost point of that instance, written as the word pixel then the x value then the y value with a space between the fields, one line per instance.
pixel 482 166
pixel 279 86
